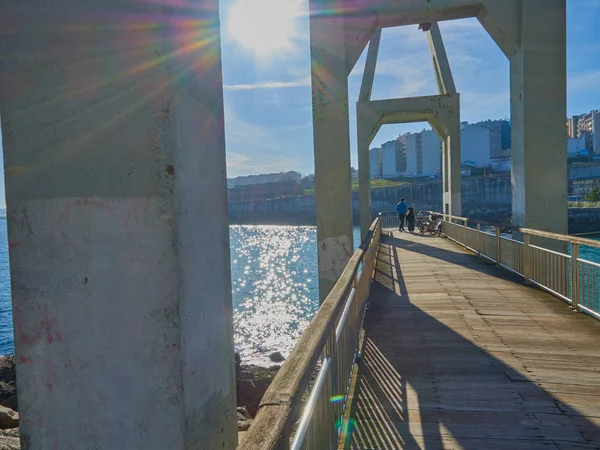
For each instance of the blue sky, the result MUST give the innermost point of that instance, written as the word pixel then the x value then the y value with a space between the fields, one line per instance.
pixel 268 99
pixel 266 76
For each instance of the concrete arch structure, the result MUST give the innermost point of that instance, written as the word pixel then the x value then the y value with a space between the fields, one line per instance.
pixel 532 35
pixel 443 114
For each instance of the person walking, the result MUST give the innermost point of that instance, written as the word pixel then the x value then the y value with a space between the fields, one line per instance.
pixel 401 208
pixel 410 219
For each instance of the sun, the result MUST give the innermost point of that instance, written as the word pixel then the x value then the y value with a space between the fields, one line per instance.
pixel 266 27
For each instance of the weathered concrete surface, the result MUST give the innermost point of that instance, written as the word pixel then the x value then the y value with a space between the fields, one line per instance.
pixel 331 140
pixel 112 118
pixel 538 111
pixel 443 114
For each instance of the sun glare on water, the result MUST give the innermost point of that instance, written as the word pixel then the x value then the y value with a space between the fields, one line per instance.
pixel 266 27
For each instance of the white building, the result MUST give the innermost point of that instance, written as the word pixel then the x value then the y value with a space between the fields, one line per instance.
pixel 423 153
pixel 375 162
pixel 576 146
pixel 391 158
pixel 477 143
pixel 588 126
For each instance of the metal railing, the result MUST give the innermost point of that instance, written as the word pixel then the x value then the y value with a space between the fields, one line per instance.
pixel 304 405
pixel 551 261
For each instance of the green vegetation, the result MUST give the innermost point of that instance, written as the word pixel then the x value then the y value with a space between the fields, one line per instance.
pixel 593 195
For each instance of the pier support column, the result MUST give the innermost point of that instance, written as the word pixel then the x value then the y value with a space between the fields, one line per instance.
pixel 114 158
pixel 364 138
pixel 331 141
pixel 538 111
pixel 452 165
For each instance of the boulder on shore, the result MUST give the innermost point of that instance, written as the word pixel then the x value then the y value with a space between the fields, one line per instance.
pixel 244 419
pixel 251 384
pixel 10 439
pixel 8 418
pixel 276 357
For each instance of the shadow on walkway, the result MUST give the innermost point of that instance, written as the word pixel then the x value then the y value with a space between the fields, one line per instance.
pixel 435 374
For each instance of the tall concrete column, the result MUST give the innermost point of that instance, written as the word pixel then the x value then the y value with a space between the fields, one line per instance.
pixel 364 140
pixel 452 165
pixel 538 111
pixel 114 154
pixel 364 181
pixel 331 141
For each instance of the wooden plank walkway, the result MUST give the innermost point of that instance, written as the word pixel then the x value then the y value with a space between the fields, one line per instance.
pixel 460 354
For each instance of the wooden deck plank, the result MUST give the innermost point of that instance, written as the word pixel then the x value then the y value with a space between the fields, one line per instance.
pixel 460 354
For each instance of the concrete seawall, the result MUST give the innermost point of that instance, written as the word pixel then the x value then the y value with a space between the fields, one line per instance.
pixel 487 199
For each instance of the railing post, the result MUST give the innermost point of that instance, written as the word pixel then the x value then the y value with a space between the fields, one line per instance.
pixel 498 246
pixel 479 239
pixel 575 288
pixel 526 258
pixel 465 233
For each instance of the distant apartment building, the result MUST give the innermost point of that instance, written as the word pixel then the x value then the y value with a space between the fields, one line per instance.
pixel 500 130
pixel 423 153
pixel 478 144
pixel 577 146
pixel 573 127
pixel 375 162
pixel 392 158
pixel 588 127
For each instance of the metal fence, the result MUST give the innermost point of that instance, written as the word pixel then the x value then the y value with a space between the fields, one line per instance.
pixel 549 260
pixel 305 403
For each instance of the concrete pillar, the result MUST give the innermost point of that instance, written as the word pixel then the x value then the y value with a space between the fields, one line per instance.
pixel 364 138
pixel 331 142
pixel 452 166
pixel 114 154
pixel 538 111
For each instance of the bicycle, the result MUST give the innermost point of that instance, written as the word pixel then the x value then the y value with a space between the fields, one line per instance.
pixel 433 224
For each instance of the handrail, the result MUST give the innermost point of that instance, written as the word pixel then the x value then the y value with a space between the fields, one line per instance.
pixel 278 410
pixel 544 234
pixel 558 270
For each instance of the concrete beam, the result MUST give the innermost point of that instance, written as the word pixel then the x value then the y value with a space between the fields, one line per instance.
pixel 502 20
pixel 366 87
pixel 538 111
pixel 331 142
pixel 114 156
pixel 410 12
pixel 443 114
pixel 358 30
pixel 441 65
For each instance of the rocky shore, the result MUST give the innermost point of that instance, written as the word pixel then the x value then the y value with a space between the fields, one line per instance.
pixel 9 416
pixel 251 384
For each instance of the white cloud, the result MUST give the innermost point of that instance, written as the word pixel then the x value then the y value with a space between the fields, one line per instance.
pixel 303 82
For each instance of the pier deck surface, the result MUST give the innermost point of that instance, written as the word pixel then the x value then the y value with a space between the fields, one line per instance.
pixel 461 354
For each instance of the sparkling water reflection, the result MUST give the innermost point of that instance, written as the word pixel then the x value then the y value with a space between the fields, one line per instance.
pixel 275 287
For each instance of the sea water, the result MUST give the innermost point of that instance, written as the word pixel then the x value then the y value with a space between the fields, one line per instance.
pixel 274 287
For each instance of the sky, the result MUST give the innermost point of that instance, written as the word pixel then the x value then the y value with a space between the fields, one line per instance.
pixel 268 115
pixel 266 77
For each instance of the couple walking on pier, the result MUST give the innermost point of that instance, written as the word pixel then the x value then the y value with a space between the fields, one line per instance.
pixel 407 215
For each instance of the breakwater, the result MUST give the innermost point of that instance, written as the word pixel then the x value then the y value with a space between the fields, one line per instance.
pixel 488 199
